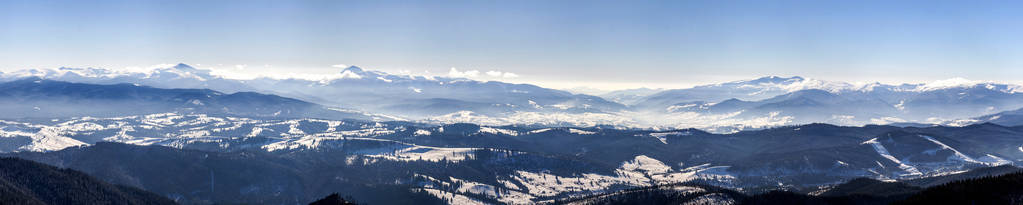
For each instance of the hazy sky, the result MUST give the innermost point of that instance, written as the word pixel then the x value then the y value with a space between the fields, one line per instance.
pixel 603 44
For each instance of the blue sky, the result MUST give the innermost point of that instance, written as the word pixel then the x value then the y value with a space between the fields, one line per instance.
pixel 603 44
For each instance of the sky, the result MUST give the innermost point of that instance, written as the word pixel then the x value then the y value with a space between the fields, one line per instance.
pixel 560 44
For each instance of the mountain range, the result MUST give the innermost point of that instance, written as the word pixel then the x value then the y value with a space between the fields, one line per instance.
pixel 197 138
pixel 723 107
pixel 373 91
pixel 34 97
pixel 797 100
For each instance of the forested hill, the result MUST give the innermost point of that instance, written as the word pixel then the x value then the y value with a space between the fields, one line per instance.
pixel 28 182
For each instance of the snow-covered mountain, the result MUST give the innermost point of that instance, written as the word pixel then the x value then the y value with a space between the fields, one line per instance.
pixel 34 97
pixel 725 107
pixel 756 89
pixel 422 97
pixel 416 97
pixel 796 100
pixel 771 86
pixel 168 76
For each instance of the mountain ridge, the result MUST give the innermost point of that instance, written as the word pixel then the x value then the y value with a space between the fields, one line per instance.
pixel 722 107
pixel 27 182
pixel 34 97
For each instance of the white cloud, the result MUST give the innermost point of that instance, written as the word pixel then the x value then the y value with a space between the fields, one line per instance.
pixel 454 72
pixel 886 120
pixel 340 66
pixel 499 74
pixel 467 74
pixel 158 66
pixel 240 67
pixel 148 68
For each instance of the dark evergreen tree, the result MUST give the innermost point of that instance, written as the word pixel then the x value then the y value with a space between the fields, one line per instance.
pixel 332 199
pixel 27 182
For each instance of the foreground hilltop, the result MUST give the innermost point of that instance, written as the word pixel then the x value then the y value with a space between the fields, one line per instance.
pixel 27 182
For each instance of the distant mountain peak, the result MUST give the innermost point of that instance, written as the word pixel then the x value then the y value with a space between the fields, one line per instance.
pixel 353 72
pixel 730 100
pixel 181 70
pixel 188 68
pixel 183 66
pixel 776 79
pixel 353 69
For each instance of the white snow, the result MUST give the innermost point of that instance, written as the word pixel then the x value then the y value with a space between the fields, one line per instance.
pixel 539 130
pixel 452 198
pixel 956 154
pixel 711 122
pixel 910 170
pixel 677 108
pixel 508 184
pixel 492 130
pixel 535 105
pixel 348 74
pixel 992 160
pixel 255 131
pixel 641 171
pixel 580 132
pixel 947 83
pixel 714 198
pixel 506 196
pixel 646 164
pixel 422 132
pixel 547 185
pixel 179 130
pixel 886 120
pixel 47 139
pixel 586 119
pixel 663 136
pixel 426 153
